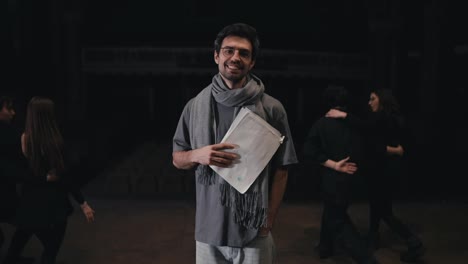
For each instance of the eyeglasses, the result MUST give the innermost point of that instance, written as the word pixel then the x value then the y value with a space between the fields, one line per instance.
pixel 243 53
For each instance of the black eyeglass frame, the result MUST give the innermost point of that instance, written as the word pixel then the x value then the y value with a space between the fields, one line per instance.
pixel 230 51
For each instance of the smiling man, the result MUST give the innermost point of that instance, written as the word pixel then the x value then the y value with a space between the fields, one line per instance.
pixel 231 227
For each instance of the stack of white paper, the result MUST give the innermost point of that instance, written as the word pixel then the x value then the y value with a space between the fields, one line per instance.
pixel 257 141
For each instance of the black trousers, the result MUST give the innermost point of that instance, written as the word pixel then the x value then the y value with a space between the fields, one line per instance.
pixel 7 220
pixel 337 227
pixel 51 238
pixel 381 210
pixel 2 238
pixel 382 182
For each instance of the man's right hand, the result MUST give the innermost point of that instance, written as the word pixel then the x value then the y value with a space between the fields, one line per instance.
pixel 345 166
pixel 335 113
pixel 215 155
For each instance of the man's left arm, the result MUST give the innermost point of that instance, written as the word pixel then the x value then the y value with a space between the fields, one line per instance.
pixel 278 188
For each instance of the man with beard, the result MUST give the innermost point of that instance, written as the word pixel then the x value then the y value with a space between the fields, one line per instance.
pixel 232 227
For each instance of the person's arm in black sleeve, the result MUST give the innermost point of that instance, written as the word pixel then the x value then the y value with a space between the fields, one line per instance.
pixel 85 208
pixel 76 193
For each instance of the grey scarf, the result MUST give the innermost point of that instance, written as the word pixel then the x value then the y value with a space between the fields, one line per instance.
pixel 250 208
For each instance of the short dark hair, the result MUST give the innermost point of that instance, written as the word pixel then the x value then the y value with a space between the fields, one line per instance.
pixel 6 101
pixel 335 96
pixel 241 30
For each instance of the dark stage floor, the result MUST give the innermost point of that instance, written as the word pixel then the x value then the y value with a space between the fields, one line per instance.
pixel 153 230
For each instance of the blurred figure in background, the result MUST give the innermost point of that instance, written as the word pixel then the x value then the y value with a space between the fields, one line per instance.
pixel 44 203
pixel 10 162
pixel 383 130
pixel 338 148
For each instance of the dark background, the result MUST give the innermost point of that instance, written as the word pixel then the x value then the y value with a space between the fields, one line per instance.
pixel 120 73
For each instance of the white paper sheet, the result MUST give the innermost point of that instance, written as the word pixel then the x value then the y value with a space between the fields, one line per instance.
pixel 257 141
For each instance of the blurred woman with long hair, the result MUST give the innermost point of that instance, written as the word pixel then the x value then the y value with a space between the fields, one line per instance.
pixel 44 203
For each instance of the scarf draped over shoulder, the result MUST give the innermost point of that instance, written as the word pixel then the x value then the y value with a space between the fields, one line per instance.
pixel 250 209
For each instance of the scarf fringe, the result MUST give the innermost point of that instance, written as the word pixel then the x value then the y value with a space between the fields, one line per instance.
pixel 205 175
pixel 247 208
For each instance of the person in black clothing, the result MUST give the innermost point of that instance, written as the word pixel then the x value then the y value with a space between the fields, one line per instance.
pixel 44 204
pixel 10 156
pixel 12 167
pixel 337 148
pixel 383 130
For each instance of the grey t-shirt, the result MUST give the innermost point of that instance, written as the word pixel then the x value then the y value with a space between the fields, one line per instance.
pixel 214 223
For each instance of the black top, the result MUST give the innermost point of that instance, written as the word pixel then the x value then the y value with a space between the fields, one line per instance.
pixel 334 139
pixel 12 169
pixel 43 203
pixel 381 130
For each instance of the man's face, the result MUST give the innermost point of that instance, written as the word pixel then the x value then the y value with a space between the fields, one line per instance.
pixel 234 60
pixel 7 113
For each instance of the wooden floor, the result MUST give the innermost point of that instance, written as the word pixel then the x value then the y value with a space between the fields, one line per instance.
pixel 156 230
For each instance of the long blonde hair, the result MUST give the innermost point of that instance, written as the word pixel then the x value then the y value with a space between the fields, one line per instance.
pixel 43 140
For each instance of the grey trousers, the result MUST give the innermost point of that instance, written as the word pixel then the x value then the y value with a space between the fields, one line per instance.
pixel 261 250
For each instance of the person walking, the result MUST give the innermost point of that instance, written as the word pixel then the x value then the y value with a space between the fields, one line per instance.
pixel 337 147
pixel 383 130
pixel 11 162
pixel 44 205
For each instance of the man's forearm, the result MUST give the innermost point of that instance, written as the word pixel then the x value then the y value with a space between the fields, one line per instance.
pixel 330 164
pixel 277 192
pixel 398 150
pixel 183 160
